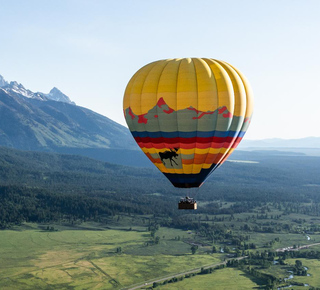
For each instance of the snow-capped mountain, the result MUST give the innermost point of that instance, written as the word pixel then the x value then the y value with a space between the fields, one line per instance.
pixel 31 123
pixel 14 88
pixel 19 89
pixel 52 122
pixel 56 95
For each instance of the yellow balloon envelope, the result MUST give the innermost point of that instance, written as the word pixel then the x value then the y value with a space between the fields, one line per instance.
pixel 188 115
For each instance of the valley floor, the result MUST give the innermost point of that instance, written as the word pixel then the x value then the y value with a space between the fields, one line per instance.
pixel 93 256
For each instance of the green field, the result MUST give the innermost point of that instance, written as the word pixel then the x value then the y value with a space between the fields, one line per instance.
pixel 260 239
pixel 83 259
pixel 224 279
pixel 84 255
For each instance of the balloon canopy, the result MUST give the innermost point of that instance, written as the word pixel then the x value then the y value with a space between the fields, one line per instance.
pixel 188 115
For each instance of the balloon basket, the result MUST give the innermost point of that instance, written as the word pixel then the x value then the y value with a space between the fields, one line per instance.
pixel 187 203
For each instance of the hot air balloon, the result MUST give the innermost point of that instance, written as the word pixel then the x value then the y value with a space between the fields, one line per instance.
pixel 188 115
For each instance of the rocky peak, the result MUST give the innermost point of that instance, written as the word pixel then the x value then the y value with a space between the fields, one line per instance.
pixel 3 81
pixel 56 95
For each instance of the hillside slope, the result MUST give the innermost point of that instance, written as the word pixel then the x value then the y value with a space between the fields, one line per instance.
pixel 33 124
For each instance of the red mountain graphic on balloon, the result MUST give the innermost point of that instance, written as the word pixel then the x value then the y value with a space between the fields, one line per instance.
pixel 161 104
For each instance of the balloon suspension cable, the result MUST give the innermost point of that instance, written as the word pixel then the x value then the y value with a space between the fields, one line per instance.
pixel 192 192
pixel 195 192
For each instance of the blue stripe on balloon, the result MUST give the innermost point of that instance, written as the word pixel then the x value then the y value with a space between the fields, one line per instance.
pixel 188 134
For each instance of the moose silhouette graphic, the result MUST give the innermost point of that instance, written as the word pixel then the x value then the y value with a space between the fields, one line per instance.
pixel 169 155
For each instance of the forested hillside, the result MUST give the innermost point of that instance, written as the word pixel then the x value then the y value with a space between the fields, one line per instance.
pixel 47 186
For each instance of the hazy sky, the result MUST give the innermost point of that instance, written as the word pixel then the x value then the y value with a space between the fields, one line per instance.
pixel 90 49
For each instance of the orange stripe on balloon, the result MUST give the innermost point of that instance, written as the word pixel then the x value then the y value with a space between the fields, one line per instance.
pixel 198 158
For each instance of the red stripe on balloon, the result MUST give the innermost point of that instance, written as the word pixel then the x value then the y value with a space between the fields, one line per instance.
pixel 187 146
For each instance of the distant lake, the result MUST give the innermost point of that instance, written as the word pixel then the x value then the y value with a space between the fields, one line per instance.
pixel 243 161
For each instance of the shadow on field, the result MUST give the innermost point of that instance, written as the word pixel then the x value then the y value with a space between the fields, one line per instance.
pixel 255 280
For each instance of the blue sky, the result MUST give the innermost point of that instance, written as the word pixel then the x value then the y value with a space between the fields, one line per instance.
pixel 90 49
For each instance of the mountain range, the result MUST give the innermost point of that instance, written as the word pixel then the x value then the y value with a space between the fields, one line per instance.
pixel 53 123
pixel 14 88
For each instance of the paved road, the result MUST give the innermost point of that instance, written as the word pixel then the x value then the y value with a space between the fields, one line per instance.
pixel 150 282
pixel 196 270
pixel 291 248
